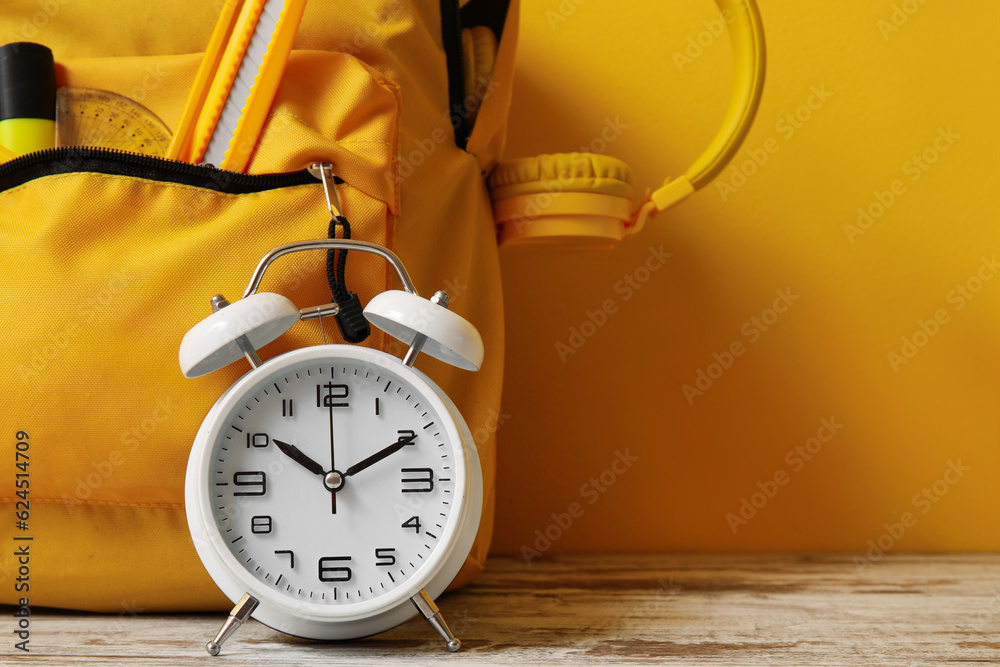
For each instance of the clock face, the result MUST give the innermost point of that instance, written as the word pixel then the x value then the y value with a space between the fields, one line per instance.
pixel 335 480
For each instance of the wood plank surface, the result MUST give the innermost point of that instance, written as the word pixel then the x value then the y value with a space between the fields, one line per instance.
pixel 610 609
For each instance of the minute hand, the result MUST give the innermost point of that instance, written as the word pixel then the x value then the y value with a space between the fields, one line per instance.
pixel 379 455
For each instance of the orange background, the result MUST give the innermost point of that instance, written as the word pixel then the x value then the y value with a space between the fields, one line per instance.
pixel 892 77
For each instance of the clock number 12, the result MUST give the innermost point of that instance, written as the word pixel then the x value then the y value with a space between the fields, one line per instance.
pixel 331 395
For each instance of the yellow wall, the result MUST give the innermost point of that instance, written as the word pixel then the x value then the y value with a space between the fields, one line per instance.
pixel 891 94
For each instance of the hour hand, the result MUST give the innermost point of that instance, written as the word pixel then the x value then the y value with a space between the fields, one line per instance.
pixel 296 455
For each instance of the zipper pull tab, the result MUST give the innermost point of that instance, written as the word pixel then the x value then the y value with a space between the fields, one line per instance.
pixel 351 319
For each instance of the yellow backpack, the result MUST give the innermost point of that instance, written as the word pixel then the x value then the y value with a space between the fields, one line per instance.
pixel 107 259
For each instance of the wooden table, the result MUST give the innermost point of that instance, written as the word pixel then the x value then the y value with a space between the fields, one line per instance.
pixel 683 609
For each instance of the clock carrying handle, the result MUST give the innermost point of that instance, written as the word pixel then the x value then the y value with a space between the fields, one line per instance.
pixel 329 244
pixel 423 324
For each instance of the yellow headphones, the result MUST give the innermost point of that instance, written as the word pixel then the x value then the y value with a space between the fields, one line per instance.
pixel 585 200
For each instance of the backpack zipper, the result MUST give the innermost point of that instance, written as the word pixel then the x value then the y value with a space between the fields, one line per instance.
pixel 74 159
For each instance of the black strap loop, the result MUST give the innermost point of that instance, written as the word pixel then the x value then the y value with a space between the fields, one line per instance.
pixel 336 260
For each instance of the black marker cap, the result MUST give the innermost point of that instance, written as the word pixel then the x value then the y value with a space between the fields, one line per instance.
pixel 27 81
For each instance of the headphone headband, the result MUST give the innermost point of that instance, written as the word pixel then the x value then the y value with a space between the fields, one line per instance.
pixel 747 38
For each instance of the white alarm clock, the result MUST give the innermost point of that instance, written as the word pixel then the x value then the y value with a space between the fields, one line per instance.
pixel 333 491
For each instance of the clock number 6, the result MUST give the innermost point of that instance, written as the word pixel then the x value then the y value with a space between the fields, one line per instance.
pixel 334 574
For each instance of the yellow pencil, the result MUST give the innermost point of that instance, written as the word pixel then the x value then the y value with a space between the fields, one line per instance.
pixel 236 82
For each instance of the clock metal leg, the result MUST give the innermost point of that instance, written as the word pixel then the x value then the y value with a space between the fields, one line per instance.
pixel 240 613
pixel 425 605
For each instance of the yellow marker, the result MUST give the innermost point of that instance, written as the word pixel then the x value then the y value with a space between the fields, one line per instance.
pixel 27 97
pixel 236 82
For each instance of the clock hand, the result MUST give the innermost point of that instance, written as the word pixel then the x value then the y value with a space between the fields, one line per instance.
pixel 333 457
pixel 332 480
pixel 379 455
pixel 296 455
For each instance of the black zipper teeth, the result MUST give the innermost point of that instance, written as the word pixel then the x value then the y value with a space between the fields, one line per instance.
pixel 74 159
pixel 451 36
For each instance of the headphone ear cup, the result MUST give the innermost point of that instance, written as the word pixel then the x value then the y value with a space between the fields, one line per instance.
pixel 479 50
pixel 571 200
